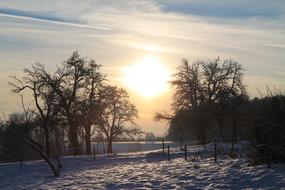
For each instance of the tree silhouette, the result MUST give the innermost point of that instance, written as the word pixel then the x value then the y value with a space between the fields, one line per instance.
pixel 45 100
pixel 118 115
pixel 89 103
pixel 76 96
pixel 204 87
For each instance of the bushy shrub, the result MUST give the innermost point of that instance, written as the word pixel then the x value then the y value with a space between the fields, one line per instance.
pixel 267 128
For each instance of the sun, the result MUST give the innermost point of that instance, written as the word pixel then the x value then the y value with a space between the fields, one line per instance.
pixel 148 77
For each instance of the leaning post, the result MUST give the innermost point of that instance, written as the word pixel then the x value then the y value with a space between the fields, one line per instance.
pixel 185 152
pixel 181 143
pixel 163 146
pixel 168 152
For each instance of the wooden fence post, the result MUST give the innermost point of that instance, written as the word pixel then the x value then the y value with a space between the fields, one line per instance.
pixel 181 143
pixel 185 152
pixel 163 146
pixel 168 152
pixel 215 146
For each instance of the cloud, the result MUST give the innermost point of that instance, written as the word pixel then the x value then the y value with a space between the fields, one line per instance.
pixel 26 14
pixel 136 28
pixel 39 17
pixel 226 8
pixel 276 45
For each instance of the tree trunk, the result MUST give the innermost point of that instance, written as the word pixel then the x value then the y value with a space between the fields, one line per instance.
pixel 198 134
pixel 55 170
pixel 38 148
pixel 88 139
pixel 201 134
pixel 58 141
pixel 58 151
pixel 221 129
pixel 109 146
pixel 74 140
pixel 47 146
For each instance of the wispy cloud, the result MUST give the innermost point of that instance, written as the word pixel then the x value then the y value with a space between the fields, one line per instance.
pixel 27 14
pixel 34 16
pixel 276 45
pixel 226 8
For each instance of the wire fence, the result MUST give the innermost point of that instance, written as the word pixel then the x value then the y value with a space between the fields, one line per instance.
pixel 193 150
pixel 190 150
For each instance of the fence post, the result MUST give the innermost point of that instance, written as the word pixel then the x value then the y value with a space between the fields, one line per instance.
pixel 185 152
pixel 181 143
pixel 215 146
pixel 94 153
pixel 168 152
pixel 163 146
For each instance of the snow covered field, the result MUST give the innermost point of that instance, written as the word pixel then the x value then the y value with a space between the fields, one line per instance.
pixel 145 170
pixel 123 147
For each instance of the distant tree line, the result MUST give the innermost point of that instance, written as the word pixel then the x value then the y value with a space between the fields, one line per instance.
pixel 71 104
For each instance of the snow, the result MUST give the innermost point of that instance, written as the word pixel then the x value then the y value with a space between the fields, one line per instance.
pixel 122 147
pixel 144 170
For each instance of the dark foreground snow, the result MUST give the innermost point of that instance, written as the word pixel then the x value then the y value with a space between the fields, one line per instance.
pixel 143 171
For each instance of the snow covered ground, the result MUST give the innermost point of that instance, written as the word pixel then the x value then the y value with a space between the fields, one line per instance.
pixel 123 147
pixel 145 170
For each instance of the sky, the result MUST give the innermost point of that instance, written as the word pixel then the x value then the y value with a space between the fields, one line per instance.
pixel 120 33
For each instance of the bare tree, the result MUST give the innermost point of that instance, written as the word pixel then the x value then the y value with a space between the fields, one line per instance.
pixel 223 86
pixel 47 107
pixel 203 85
pixel 118 115
pixel 188 88
pixel 68 85
pixel 28 122
pixel 90 102
pixel 76 96
pixel 222 80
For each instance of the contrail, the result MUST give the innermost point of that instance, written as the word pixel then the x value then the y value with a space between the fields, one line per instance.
pixel 71 24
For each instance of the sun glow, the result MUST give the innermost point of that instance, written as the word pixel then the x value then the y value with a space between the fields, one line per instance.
pixel 148 77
